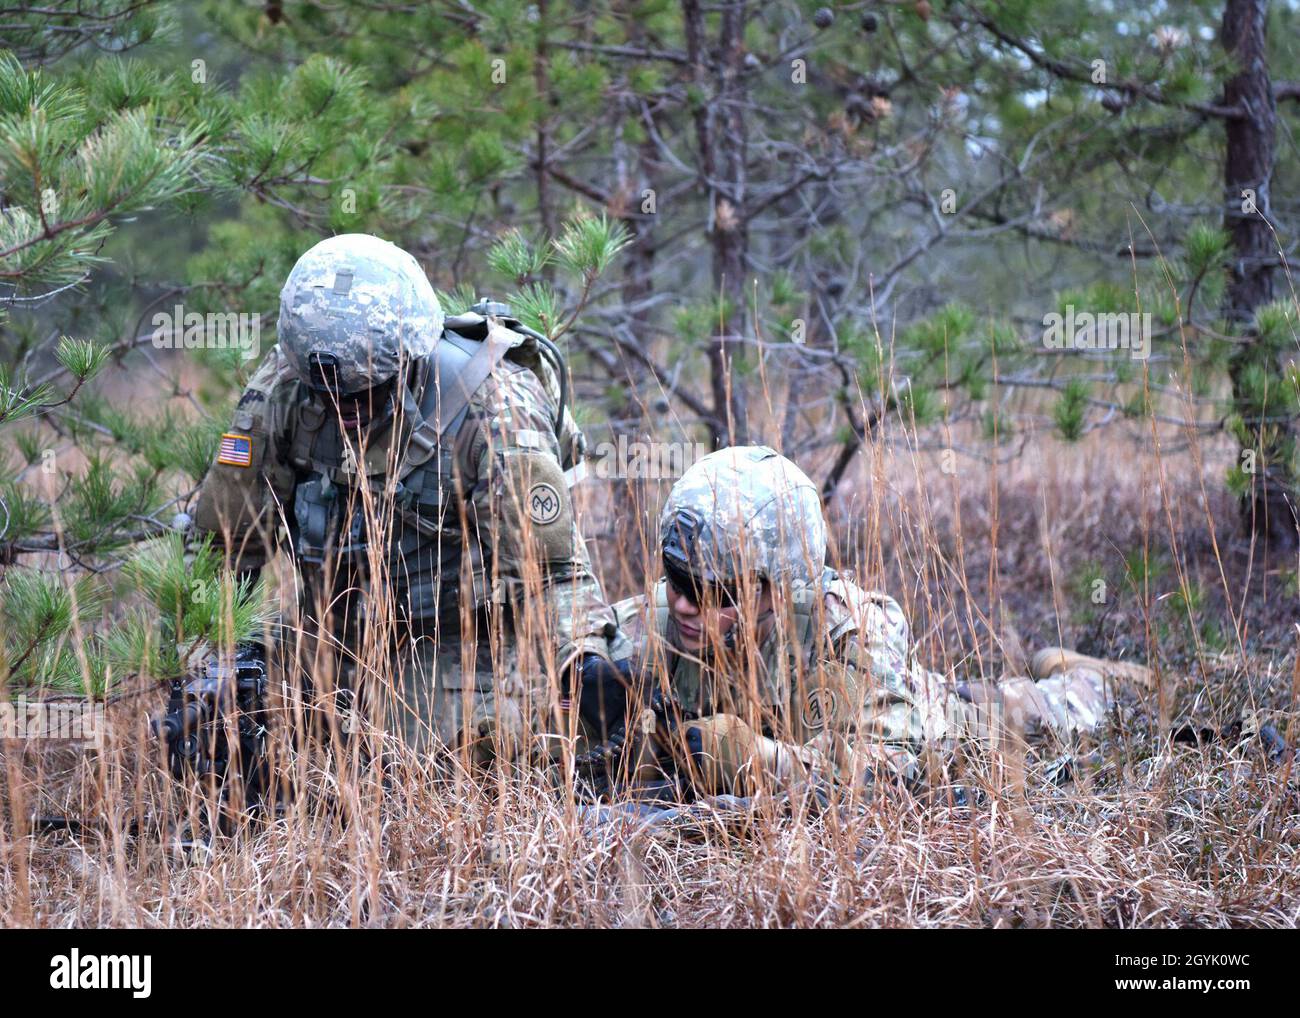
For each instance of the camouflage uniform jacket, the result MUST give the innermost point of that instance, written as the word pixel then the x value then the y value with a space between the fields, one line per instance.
pixel 487 510
pixel 843 690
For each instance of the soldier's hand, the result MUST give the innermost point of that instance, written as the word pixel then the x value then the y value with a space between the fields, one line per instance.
pixel 601 690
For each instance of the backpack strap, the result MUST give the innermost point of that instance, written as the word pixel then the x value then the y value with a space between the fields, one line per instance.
pixel 459 367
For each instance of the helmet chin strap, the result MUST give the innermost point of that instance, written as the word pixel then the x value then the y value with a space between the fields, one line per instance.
pixel 418 374
pixel 405 394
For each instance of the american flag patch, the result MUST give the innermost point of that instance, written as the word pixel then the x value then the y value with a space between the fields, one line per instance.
pixel 236 450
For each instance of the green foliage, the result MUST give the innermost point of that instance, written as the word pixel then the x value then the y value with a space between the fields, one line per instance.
pixel 484 157
pixel 29 445
pixel 1238 480
pixel 1141 569
pixel 1164 309
pixel 971 376
pixel 919 405
pixel 1103 297
pixel 17 402
pixel 1190 597
pixel 1089 580
pixel 589 244
pixel 1205 247
pixel 458 300
pixel 1071 410
pixel 997 427
pixel 81 359
pixel 514 257
pixel 1188 604
pixel 195 603
pixel 1275 327
pixel 693 322
pixel 71 166
pixel 44 32
pixel 133 647
pixel 22 514
pixel 862 346
pixel 102 506
pixel 1085 577
pixel 45 618
pixel 1139 405
pixel 1261 392
pixel 324 88
pixel 942 332
pixel 784 292
pixel 538 306
pixel 115 84
pixel 586 247
pixel 1001 341
pixel 190 448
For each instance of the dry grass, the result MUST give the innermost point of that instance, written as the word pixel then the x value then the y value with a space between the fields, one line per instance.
pixel 990 564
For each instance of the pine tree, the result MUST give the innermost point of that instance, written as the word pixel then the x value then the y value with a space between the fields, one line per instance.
pixel 98 582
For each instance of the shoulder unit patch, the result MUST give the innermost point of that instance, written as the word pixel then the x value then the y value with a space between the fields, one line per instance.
pixel 819 708
pixel 544 503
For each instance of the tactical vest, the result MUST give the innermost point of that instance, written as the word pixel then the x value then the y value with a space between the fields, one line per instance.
pixel 425 545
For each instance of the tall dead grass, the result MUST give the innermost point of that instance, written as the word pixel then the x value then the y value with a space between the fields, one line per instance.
pixel 1153 832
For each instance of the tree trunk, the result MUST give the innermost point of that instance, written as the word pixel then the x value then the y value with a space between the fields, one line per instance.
pixel 635 174
pixel 719 115
pixel 542 82
pixel 1268 508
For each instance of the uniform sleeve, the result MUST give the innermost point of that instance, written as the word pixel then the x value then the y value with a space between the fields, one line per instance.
pixel 522 518
pixel 248 486
pixel 635 641
pixel 876 707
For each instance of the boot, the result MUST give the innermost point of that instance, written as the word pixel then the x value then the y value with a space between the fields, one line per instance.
pixel 1054 660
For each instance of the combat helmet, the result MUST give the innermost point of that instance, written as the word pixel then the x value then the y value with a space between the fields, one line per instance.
pixel 353 311
pixel 742 511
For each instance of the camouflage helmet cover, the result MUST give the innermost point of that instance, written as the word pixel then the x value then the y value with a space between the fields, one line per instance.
pixel 745 509
pixel 362 301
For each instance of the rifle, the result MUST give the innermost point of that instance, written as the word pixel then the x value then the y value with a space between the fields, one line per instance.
pixel 195 734
pixel 601 769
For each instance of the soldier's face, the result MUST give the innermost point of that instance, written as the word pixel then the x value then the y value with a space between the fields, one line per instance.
pixel 709 621
pixel 356 411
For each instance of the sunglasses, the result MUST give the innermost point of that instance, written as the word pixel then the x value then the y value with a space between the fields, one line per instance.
pixel 713 593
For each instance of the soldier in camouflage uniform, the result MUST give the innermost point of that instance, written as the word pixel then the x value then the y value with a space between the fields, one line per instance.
pixel 788 671
pixel 420 468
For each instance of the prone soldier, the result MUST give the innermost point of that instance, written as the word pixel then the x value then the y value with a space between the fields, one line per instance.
pixel 768 668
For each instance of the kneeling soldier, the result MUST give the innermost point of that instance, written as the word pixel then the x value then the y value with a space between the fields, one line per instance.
pixel 420 469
